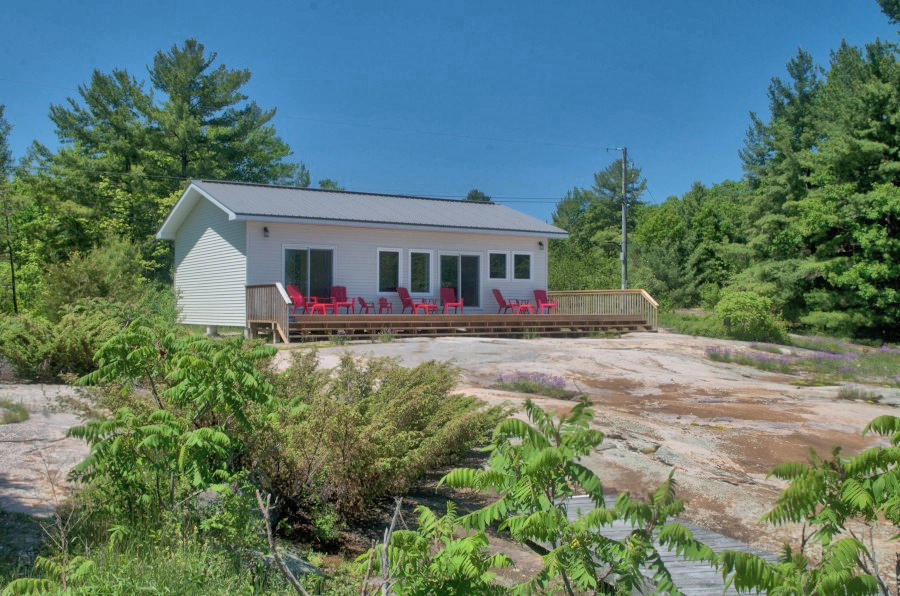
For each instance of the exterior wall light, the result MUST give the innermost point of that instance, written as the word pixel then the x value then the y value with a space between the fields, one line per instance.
pixel 540 245
pixel 265 231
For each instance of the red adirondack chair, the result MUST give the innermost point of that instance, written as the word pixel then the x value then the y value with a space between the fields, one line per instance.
pixel 340 300
pixel 414 307
pixel 385 305
pixel 365 307
pixel 544 303
pixel 448 299
pixel 298 301
pixel 504 305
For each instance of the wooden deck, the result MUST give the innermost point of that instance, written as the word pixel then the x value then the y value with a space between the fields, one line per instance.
pixel 315 327
pixel 581 312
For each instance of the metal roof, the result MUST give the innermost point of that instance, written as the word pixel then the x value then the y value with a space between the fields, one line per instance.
pixel 260 202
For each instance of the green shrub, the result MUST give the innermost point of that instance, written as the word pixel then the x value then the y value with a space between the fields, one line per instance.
pixel 111 271
pixel 358 433
pixel 709 295
pixel 26 341
pixel 80 332
pixel 748 316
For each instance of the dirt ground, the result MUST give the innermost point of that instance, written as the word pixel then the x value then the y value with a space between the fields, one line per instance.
pixel 664 405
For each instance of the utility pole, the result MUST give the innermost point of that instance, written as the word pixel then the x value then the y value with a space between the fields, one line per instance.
pixel 9 245
pixel 623 254
pixel 624 218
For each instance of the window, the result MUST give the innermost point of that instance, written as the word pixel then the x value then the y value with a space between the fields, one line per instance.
pixel 419 272
pixel 310 269
pixel 497 265
pixel 522 266
pixel 388 270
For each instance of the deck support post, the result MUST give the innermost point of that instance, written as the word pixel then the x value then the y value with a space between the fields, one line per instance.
pixel 212 331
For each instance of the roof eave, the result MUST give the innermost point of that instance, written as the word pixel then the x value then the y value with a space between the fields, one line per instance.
pixel 400 226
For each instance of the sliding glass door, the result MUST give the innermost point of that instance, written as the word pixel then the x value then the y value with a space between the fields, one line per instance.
pixel 463 274
pixel 310 269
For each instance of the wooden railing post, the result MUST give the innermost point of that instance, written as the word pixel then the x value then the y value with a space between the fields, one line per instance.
pixel 269 304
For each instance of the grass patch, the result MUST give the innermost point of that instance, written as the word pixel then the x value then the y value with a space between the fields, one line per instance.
pixel 858 394
pixel 385 336
pixel 11 412
pixel 823 344
pixel 706 325
pixel 770 348
pixel 339 339
pixel 829 361
pixel 877 366
pixel 767 362
pixel 536 383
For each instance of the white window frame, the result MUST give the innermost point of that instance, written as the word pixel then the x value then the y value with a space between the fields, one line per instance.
pixel 512 272
pixel 400 277
pixel 285 246
pixel 505 253
pixel 431 277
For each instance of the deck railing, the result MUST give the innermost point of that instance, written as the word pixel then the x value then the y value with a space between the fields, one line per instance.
pixel 269 304
pixel 608 302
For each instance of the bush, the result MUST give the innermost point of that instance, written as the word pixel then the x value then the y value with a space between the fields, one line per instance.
pixel 40 349
pixel 111 271
pixel 748 316
pixel 26 341
pixel 80 333
pixel 361 432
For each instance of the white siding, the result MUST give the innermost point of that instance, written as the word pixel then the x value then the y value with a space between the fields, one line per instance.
pixel 355 256
pixel 211 267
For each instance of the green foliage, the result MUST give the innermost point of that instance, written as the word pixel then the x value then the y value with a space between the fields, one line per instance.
pixel 148 457
pixel 41 349
pixel 434 559
pixel 26 341
pixel 12 412
pixel 361 432
pixel 126 150
pixel 164 566
pixel 706 324
pixel 329 184
pixel 111 271
pixel 827 494
pixel 749 316
pixel 478 196
pixel 533 469
pixel 812 227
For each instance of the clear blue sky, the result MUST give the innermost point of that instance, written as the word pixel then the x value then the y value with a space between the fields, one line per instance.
pixel 518 99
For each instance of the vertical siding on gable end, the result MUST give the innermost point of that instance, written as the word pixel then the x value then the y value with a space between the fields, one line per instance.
pixel 211 267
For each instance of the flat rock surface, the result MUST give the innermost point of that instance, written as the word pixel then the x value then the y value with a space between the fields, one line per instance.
pixel 36 455
pixel 665 405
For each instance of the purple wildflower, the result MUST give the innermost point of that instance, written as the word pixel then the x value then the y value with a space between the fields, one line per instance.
pixel 537 378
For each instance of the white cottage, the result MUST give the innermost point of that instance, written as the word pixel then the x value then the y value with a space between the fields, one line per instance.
pixel 231 235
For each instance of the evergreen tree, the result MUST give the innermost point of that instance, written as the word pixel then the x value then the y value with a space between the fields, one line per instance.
pixel 329 184
pixel 478 196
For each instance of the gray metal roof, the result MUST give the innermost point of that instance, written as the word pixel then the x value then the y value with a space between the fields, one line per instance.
pixel 259 201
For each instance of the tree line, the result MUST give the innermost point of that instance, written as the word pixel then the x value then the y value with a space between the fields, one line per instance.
pixel 812 225
pixel 126 148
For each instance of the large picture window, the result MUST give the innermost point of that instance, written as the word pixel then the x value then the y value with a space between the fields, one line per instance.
pixel 310 269
pixel 388 270
pixel 419 272
pixel 497 265
pixel 522 266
